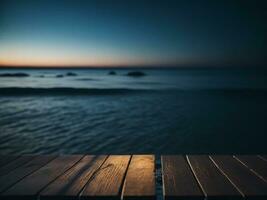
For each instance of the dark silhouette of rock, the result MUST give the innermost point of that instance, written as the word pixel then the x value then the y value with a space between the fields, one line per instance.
pixel 14 75
pixel 112 73
pixel 59 76
pixel 136 74
pixel 87 79
pixel 71 74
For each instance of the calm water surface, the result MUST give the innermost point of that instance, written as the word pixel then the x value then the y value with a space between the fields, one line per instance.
pixel 165 112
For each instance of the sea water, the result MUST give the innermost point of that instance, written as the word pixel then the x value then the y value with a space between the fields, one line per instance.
pixel 168 111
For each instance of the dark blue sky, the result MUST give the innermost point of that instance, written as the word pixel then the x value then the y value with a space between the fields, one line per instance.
pixel 137 32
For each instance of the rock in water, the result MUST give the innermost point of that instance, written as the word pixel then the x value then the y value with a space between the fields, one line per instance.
pixel 136 74
pixel 71 74
pixel 112 73
pixel 59 76
pixel 14 75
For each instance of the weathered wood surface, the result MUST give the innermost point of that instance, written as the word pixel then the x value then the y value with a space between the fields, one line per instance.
pixel 29 187
pixel 72 182
pixel 248 183
pixel 140 179
pixel 133 177
pixel 17 174
pixel 213 183
pixel 14 164
pixel 108 180
pixel 178 180
pixel 255 164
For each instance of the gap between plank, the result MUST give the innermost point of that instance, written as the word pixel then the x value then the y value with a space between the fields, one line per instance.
pixel 92 176
pixel 122 187
pixel 254 172
pixel 243 195
pixel 199 184
pixel 262 158
pixel 28 174
pixel 38 193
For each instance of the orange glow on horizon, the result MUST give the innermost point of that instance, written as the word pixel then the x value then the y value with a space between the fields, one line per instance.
pixel 74 60
pixel 61 63
pixel 61 60
pixel 21 54
pixel 54 62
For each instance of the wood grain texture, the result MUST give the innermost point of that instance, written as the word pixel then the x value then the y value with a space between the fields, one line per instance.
pixel 178 180
pixel 254 163
pixel 140 178
pixel 123 177
pixel 14 164
pixel 17 174
pixel 30 186
pixel 248 183
pixel 68 185
pixel 108 180
pixel 212 181
pixel 4 159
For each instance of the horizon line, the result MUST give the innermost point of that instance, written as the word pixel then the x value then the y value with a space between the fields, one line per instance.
pixel 163 66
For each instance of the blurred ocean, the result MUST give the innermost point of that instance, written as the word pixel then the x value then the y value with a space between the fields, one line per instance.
pixel 169 111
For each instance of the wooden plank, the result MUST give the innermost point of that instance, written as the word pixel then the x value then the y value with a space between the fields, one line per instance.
pixel 4 159
pixel 178 179
pixel 72 182
pixel 254 163
pixel 15 164
pixel 248 183
pixel 140 179
pixel 212 181
pixel 17 174
pixel 108 180
pixel 29 187
pixel 263 157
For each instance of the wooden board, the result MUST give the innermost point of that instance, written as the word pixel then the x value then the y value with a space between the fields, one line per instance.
pixel 17 174
pixel 125 177
pixel 247 182
pixel 72 182
pixel 108 180
pixel 14 164
pixel 178 180
pixel 212 181
pixel 6 159
pixel 263 157
pixel 29 187
pixel 140 178
pixel 254 163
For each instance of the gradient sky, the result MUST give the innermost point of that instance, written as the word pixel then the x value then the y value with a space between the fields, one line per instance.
pixel 137 32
